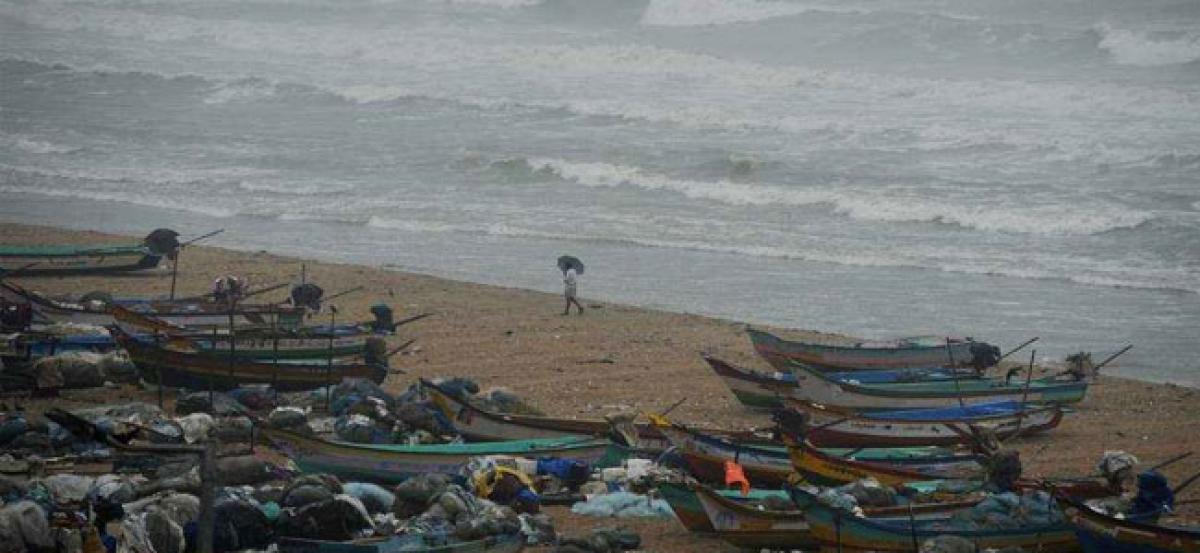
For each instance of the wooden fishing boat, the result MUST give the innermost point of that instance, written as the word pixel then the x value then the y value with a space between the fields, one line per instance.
pixel 754 528
pixel 762 390
pixel 833 427
pixel 179 313
pixel 753 389
pixel 820 468
pixel 199 371
pixel 253 342
pixel 770 466
pixel 685 503
pixel 398 544
pixel 392 464
pixel 837 530
pixel 1101 533
pixel 919 351
pixel 815 387
pixel 36 261
pixel 478 424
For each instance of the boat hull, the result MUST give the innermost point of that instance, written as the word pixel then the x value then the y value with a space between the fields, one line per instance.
pixel 200 371
pixel 1098 533
pixel 826 428
pixel 837 531
pixel 394 464
pixel 780 353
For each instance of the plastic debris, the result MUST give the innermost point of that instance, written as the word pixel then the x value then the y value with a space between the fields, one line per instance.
pixel 622 504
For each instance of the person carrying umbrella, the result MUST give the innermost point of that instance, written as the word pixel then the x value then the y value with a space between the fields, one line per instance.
pixel 571 268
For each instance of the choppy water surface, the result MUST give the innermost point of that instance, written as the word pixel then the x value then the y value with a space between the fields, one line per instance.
pixel 877 167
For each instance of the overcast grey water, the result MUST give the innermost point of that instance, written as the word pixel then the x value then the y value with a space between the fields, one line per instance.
pixel 875 167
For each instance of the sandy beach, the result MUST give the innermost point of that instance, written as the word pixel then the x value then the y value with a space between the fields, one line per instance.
pixel 615 357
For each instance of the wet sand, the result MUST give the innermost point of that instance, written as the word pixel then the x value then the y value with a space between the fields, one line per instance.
pixel 615 357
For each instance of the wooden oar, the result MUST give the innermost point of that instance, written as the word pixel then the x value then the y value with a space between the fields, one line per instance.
pixel 411 319
pixel 1111 357
pixel 1018 348
pixel 402 347
pixel 18 270
pixel 342 293
pixel 1185 483
pixel 179 250
pixel 1171 461
pixel 668 410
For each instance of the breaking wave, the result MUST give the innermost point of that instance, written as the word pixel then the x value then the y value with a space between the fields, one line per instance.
pixel 1133 48
pixel 859 203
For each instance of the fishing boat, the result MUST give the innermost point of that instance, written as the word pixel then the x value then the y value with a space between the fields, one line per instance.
pixel 253 342
pixel 762 390
pixel 392 464
pixel 178 313
pixel 821 468
pixel 400 544
pixel 815 387
pixel 770 466
pixel 919 351
pixel 1101 533
pixel 198 371
pixel 685 503
pixel 838 530
pixel 948 426
pixel 478 424
pixel 64 260
pixel 753 527
pixel 753 389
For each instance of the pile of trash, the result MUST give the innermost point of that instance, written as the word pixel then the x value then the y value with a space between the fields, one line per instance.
pixel 82 369
pixel 362 412
pixel 498 399
pixel 1007 511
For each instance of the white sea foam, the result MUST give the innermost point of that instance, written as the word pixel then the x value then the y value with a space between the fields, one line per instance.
pixel 684 13
pixel 862 203
pixel 33 145
pixel 247 90
pixel 1133 48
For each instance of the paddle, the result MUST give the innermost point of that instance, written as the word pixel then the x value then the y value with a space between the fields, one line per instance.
pixel 1171 461
pixel 1018 348
pixel 179 250
pixel 18 270
pixel 1185 483
pixel 411 319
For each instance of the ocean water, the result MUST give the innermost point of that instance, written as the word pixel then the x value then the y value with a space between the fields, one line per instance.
pixel 875 167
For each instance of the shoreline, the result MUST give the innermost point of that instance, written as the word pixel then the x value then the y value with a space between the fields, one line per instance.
pixel 765 291
pixel 616 357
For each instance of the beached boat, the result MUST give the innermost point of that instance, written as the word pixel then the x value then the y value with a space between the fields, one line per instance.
pixel 762 390
pixel 63 260
pixel 948 426
pixel 685 503
pixel 401 544
pixel 178 313
pixel 750 527
pixel 813 386
pixel 820 468
pixel 770 466
pixel 392 464
pixel 253 342
pixel 920 351
pixel 477 424
pixel 1101 533
pixel 199 371
pixel 837 530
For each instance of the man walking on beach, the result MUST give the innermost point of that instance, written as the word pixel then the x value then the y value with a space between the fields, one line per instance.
pixel 569 280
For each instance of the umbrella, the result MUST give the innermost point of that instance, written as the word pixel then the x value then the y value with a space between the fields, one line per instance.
pixel 568 262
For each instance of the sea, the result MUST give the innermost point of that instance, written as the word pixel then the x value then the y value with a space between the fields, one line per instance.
pixel 881 168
